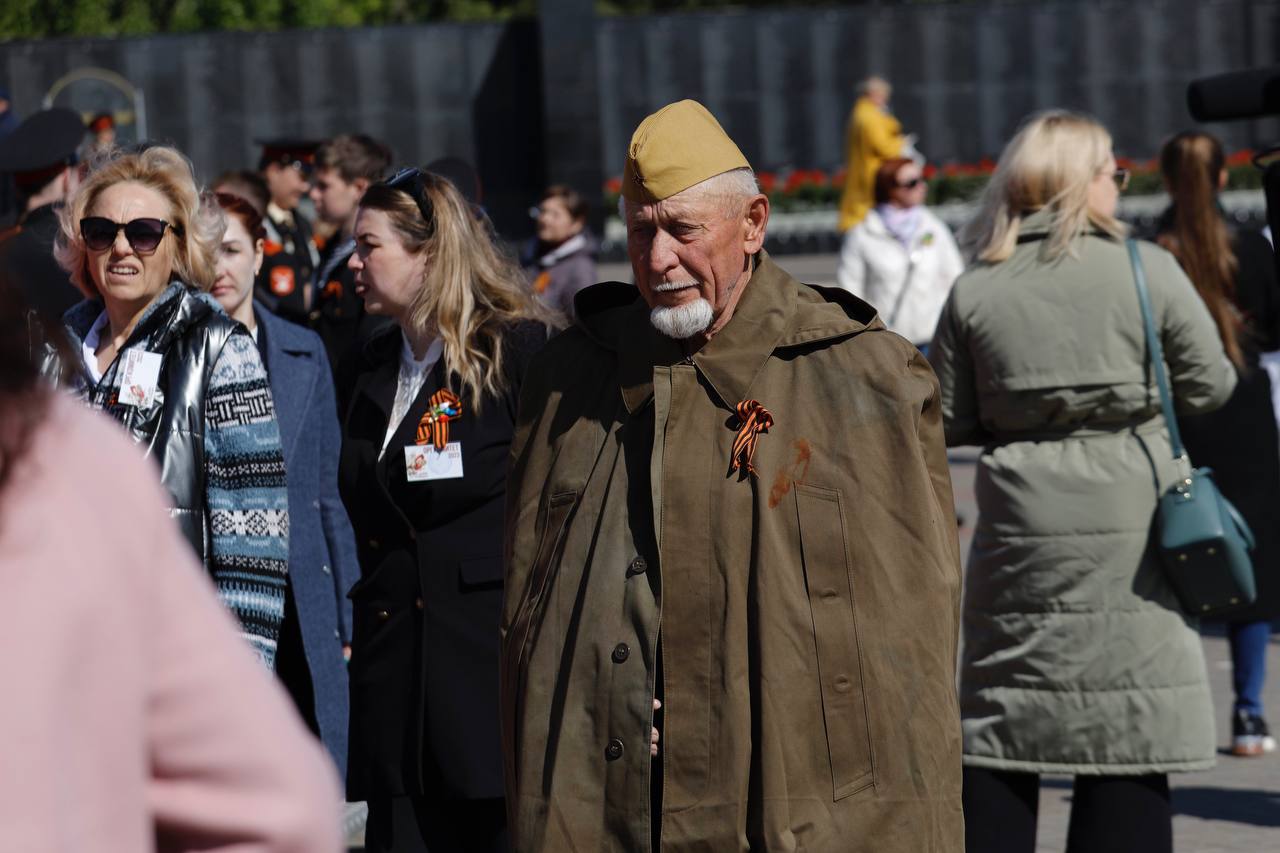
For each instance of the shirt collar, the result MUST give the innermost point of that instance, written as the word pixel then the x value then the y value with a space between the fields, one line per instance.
pixel 564 250
pixel 409 364
pixel 279 214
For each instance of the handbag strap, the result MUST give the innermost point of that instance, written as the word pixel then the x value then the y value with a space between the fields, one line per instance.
pixel 1154 349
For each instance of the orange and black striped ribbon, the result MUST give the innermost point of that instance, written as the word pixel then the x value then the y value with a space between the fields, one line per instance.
pixel 434 425
pixel 755 419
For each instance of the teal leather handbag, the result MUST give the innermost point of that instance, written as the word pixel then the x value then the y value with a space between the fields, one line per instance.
pixel 1204 542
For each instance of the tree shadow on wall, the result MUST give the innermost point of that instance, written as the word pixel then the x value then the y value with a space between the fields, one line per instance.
pixel 507 121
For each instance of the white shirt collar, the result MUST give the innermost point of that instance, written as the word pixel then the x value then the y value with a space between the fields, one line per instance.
pixel 89 347
pixel 564 250
pixel 409 382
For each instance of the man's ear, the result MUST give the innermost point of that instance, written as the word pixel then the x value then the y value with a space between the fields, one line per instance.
pixel 754 223
pixel 361 184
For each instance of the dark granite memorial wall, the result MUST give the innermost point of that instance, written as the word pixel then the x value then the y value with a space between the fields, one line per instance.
pixel 533 102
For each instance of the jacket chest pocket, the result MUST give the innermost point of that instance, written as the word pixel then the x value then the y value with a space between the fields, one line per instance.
pixel 825 553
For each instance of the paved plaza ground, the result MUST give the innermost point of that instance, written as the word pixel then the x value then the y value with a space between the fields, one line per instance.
pixel 1233 808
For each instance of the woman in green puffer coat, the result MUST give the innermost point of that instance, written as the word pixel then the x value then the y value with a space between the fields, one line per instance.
pixel 1076 657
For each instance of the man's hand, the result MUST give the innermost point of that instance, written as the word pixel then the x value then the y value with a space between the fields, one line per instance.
pixel 653 733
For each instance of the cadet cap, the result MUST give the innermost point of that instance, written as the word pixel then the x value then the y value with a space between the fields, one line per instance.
pixel 300 153
pixel 44 143
pixel 680 145
pixel 102 121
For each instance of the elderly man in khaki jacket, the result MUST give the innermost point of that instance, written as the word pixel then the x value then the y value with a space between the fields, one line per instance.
pixel 729 501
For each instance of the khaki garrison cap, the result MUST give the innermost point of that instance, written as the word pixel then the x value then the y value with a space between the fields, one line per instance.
pixel 680 145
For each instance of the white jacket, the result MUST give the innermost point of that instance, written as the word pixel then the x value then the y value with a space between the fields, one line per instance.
pixel 907 287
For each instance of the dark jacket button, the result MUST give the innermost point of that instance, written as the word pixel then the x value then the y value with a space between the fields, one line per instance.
pixel 418 603
pixel 621 652
pixel 383 615
pixel 375 544
pixel 614 750
pixel 638 566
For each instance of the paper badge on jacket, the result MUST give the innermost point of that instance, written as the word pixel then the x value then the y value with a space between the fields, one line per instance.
pixel 139 375
pixel 424 462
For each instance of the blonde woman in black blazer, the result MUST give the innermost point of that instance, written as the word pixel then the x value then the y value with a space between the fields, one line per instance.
pixel 426 434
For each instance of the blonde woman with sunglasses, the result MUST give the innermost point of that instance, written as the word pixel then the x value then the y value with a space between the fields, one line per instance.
pixel 153 350
pixel 1076 656
pixel 426 438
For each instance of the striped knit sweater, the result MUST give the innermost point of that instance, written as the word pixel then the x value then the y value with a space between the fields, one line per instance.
pixel 245 480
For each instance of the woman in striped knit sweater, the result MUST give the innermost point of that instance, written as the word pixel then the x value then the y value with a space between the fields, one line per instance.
pixel 155 352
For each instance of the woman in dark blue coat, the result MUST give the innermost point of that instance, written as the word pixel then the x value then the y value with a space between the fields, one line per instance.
pixel 315 636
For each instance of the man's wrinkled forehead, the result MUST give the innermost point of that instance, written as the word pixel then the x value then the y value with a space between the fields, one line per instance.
pixel 680 207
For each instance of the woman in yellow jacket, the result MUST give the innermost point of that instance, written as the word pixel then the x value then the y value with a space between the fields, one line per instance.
pixel 873 137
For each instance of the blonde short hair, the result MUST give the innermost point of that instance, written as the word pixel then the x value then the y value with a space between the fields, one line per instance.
pixel 873 85
pixel 1049 165
pixel 198 221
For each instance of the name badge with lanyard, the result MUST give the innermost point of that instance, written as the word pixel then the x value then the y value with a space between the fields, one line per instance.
pixel 433 456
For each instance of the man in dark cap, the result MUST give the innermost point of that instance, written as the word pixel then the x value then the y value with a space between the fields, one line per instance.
pixel 103 128
pixel 41 157
pixel 284 283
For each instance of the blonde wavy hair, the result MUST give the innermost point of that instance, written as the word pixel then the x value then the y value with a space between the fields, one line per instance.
pixel 471 291
pixel 1049 164
pixel 198 220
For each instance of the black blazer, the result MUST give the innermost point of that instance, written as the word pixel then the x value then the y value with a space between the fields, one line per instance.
pixel 424 665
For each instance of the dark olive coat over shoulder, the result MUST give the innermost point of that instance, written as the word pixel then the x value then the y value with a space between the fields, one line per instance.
pixel 807 613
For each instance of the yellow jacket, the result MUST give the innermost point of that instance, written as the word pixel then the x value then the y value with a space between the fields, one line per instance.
pixel 873 136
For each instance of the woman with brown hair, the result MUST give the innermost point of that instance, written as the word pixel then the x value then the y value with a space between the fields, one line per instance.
pixel 561 260
pixel 900 257
pixel 426 436
pixel 1234 272
pixel 154 351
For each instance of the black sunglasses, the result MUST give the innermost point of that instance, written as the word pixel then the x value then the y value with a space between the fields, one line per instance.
pixel 911 184
pixel 414 182
pixel 144 235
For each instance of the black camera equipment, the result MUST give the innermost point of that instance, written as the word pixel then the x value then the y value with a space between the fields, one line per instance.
pixel 1250 94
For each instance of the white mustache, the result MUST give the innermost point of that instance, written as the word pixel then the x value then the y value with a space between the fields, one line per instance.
pixel 674 285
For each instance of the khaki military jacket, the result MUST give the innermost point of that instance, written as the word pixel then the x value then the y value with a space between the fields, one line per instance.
pixel 807 611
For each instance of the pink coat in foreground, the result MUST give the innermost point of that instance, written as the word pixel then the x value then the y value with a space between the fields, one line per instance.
pixel 134 717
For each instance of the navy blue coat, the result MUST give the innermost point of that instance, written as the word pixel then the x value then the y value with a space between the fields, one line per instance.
pixel 322 548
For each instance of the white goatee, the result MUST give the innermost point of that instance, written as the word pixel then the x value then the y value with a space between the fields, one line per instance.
pixel 683 321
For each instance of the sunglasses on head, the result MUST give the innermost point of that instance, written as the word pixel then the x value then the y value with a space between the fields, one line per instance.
pixel 144 235
pixel 414 182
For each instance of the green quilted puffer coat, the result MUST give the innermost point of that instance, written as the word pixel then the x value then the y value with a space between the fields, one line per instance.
pixel 1075 655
